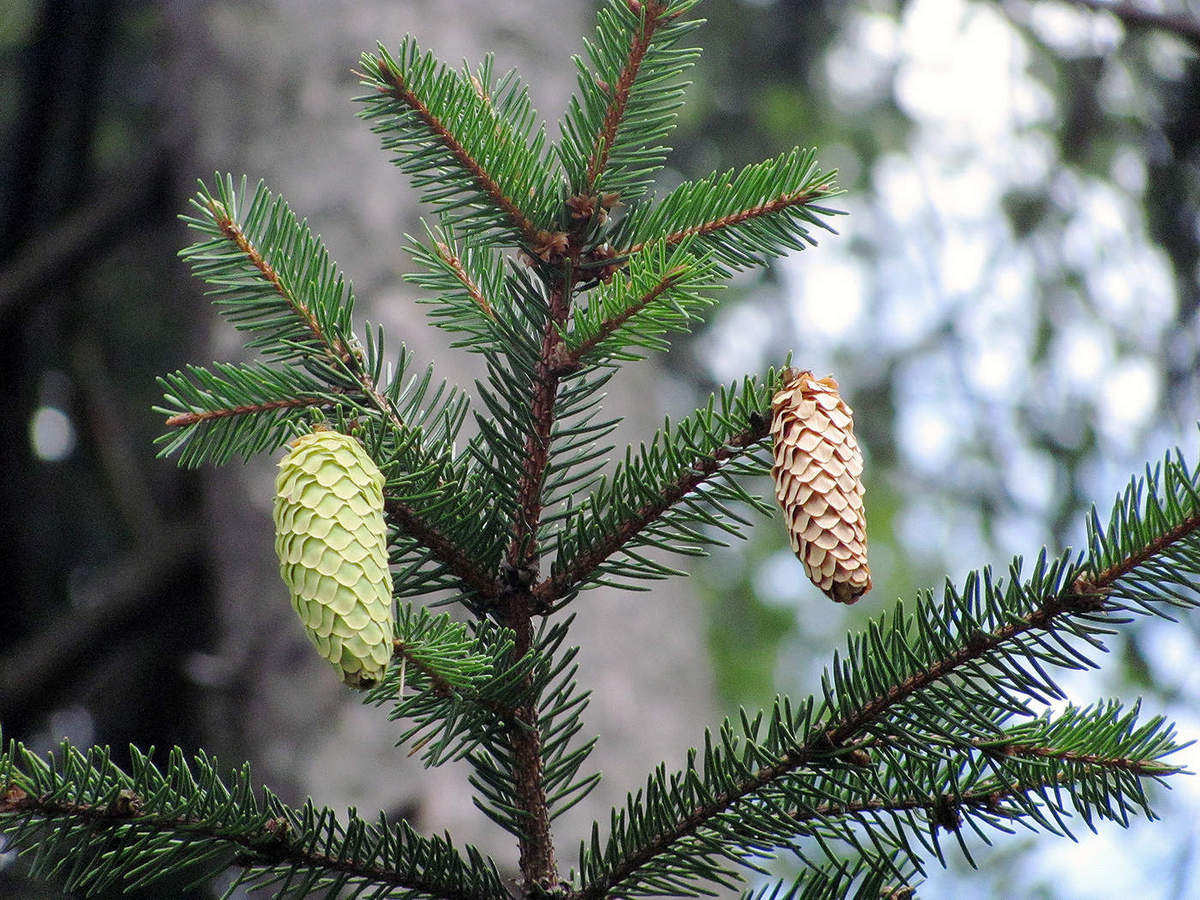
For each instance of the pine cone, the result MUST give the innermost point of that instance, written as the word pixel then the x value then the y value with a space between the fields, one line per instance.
pixel 331 540
pixel 818 483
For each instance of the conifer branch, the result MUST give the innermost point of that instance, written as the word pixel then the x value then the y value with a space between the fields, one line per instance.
pixel 483 179
pixel 463 136
pixel 740 218
pixel 609 326
pixel 947 809
pixel 184 420
pixel 1086 596
pixel 265 845
pixel 411 522
pixel 442 687
pixel 408 519
pixel 447 256
pixel 781 203
pixel 70 810
pixel 1151 768
pixel 854 722
pixel 652 14
pixel 335 348
pixel 701 471
pixel 522 546
pixel 629 89
pixel 474 579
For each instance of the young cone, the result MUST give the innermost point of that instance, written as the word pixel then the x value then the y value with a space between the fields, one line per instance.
pixel 818 483
pixel 331 540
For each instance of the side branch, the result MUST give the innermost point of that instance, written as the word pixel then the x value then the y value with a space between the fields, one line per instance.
pixel 619 92
pixel 336 348
pixel 668 281
pixel 264 845
pixel 446 255
pixel 778 204
pixel 503 713
pixel 1106 579
pixel 1150 768
pixel 1086 595
pixel 398 90
pixel 945 809
pixel 195 418
pixel 834 744
pixel 554 588
pixel 446 550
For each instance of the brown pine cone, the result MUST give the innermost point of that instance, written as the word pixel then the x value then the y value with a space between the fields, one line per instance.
pixel 818 483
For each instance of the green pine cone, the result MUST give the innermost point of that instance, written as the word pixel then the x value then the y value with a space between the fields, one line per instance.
pixel 331 539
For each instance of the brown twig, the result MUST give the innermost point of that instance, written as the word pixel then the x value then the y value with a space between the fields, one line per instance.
pixel 989 795
pixel 518 605
pixel 669 279
pixel 337 351
pixel 619 92
pixel 782 202
pixel 446 550
pixel 552 589
pixel 446 255
pixel 1150 768
pixel 183 420
pixel 401 92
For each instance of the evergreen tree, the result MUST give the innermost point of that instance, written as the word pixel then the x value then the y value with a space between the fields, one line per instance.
pixel 558 264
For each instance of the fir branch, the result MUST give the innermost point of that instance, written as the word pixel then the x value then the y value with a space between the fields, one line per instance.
pixel 72 812
pixel 669 279
pixel 474 579
pixel 237 409
pixel 463 137
pixel 765 210
pixel 183 420
pixel 925 689
pixel 653 13
pixel 451 260
pixel 654 498
pixel 454 684
pixel 659 290
pixel 271 276
pixel 471 293
pixel 335 346
pixel 865 878
pixel 626 100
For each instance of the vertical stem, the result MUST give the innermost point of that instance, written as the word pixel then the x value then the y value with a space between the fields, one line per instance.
pixel 518 606
pixel 538 866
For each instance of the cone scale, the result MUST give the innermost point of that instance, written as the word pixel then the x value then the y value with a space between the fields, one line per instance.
pixel 331 539
pixel 818 483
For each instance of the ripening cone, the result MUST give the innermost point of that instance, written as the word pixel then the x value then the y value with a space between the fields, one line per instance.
pixel 331 540
pixel 818 483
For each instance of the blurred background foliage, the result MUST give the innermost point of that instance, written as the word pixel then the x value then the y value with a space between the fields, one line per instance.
pixel 1011 308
